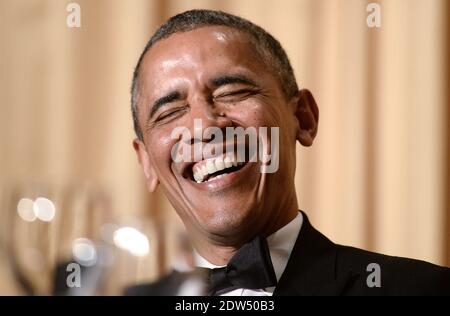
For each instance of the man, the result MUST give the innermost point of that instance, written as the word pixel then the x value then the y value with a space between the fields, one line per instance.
pixel 243 221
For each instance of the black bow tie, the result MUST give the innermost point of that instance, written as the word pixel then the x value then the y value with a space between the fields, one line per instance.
pixel 250 268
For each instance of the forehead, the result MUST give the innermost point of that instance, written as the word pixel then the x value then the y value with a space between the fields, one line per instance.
pixel 199 53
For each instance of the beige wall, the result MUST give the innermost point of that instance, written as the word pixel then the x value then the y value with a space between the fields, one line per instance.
pixel 377 176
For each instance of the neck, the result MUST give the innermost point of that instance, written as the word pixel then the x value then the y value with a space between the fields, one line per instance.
pixel 220 253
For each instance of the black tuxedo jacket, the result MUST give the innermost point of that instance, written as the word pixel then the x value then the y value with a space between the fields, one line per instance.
pixel 317 266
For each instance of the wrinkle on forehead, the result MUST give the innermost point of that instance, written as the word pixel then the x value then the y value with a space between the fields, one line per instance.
pixel 166 46
pixel 187 52
pixel 174 57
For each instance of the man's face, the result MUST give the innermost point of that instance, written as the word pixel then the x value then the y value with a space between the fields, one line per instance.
pixel 214 74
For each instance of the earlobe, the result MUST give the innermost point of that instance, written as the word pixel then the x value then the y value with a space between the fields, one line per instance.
pixel 144 160
pixel 307 114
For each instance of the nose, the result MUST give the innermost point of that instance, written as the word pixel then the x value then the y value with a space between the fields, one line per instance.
pixel 206 114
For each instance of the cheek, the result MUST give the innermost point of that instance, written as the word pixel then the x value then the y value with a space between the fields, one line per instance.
pixel 272 115
pixel 249 114
pixel 161 145
pixel 258 114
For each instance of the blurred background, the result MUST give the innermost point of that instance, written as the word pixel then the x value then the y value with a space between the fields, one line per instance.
pixel 71 189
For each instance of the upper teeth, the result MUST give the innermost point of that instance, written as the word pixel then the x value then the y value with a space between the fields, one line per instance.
pixel 212 166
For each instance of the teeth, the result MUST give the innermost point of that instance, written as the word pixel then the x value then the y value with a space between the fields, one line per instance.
pixel 227 162
pixel 204 171
pixel 214 165
pixel 210 167
pixel 219 164
pixel 198 175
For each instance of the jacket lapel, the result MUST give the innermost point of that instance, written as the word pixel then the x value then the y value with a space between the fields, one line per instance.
pixel 311 269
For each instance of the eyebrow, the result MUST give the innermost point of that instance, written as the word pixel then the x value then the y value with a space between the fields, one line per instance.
pixel 230 79
pixel 168 98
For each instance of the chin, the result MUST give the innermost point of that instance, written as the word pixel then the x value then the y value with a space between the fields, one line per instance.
pixel 231 222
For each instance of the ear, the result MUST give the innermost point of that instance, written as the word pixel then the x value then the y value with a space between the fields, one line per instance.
pixel 307 115
pixel 147 167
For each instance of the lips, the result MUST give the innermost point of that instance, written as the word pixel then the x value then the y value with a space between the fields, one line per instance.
pixel 214 168
pixel 218 170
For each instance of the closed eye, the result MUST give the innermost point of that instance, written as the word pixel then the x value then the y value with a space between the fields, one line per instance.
pixel 170 115
pixel 234 96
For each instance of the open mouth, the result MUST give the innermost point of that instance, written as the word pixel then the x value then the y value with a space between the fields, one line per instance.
pixel 222 165
pixel 214 168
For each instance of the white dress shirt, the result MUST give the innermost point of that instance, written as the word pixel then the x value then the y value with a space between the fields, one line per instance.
pixel 280 245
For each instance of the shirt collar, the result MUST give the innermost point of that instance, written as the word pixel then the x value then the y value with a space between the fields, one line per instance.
pixel 280 245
